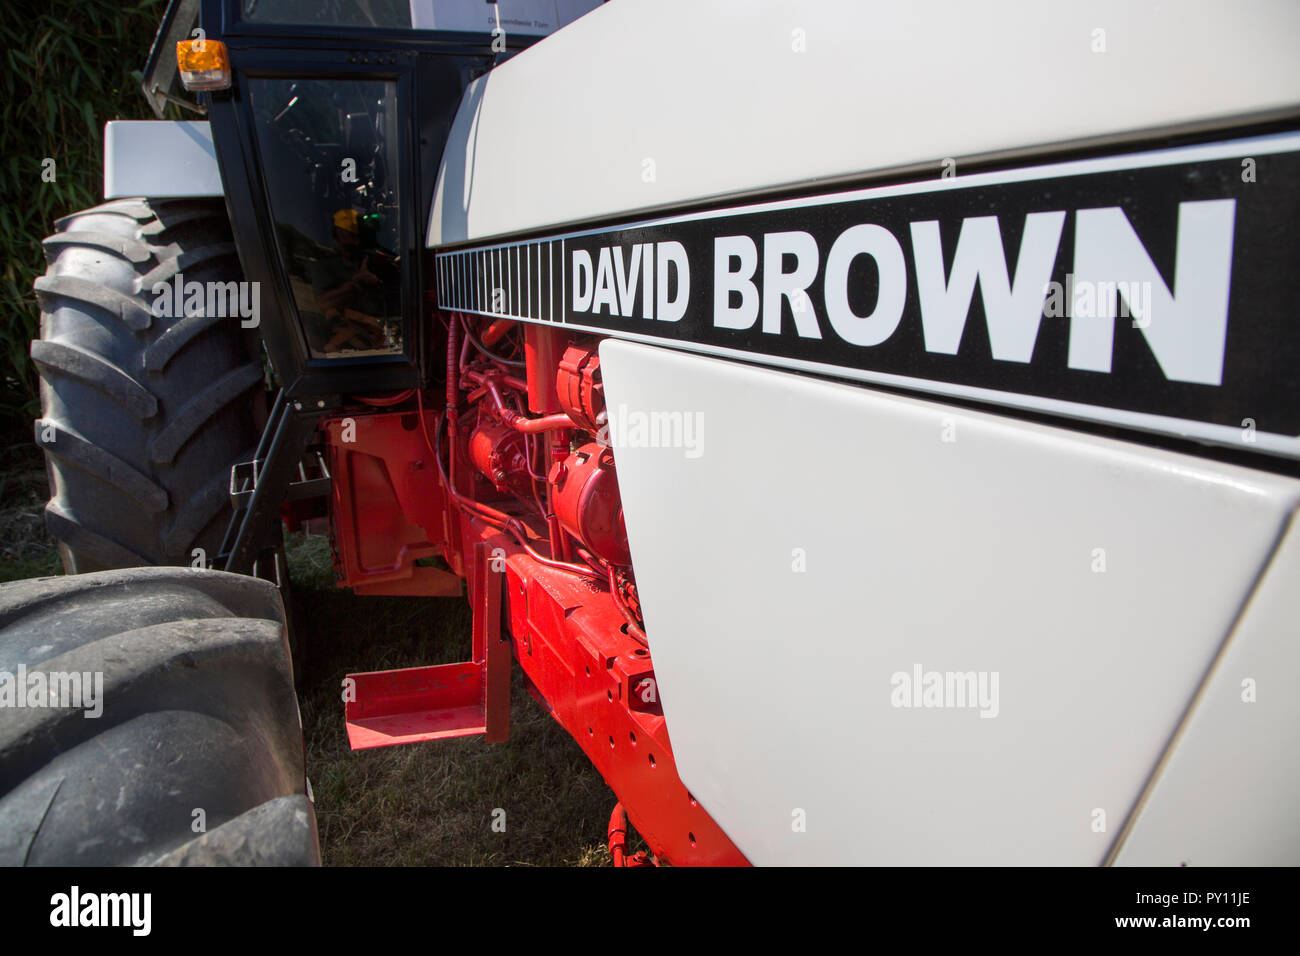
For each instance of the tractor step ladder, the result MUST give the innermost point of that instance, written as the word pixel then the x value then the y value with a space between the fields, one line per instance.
pixel 414 704
pixel 259 487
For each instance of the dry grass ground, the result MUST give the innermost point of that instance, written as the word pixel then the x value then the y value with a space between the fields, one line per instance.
pixel 26 551
pixel 431 804
pixel 421 805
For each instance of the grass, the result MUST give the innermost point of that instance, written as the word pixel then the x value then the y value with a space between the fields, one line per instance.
pixel 431 804
pixel 25 549
pixel 426 804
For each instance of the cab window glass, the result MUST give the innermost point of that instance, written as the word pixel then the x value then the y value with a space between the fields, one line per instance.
pixel 328 150
pixel 342 13
pixel 523 17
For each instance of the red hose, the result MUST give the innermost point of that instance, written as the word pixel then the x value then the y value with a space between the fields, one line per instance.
pixel 385 401
pixel 498 519
pixel 453 386
pixel 618 841
pixel 496 330
pixel 511 418
pixel 633 629
pixel 531 426
pixel 618 835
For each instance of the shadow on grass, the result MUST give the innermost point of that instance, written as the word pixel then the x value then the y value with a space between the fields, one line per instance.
pixel 26 550
pixel 431 803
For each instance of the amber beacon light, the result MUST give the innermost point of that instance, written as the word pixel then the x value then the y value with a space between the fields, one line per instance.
pixel 204 64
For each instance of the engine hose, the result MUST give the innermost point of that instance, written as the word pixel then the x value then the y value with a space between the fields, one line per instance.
pixel 497 330
pixel 498 519
pixel 385 401
pixel 453 386
pixel 511 418
pixel 618 835
pixel 633 629
pixel 618 841
pixel 488 353
pixel 492 515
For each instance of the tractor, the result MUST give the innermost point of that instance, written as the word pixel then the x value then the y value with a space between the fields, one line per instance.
pixel 653 329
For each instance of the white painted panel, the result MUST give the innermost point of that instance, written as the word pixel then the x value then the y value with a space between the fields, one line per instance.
pixel 159 159
pixel 725 96
pixel 977 554
pixel 1229 794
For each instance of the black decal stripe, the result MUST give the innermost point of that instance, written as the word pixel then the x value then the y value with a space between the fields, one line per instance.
pixel 1254 405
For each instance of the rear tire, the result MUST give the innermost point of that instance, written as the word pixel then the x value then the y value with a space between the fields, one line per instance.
pixel 142 415
pixel 199 724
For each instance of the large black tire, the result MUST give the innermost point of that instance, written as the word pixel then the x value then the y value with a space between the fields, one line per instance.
pixel 199 714
pixel 142 415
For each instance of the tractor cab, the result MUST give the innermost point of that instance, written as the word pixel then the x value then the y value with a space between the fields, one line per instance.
pixel 328 121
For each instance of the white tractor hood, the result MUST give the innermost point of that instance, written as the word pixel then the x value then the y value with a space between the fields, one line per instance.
pixel 648 105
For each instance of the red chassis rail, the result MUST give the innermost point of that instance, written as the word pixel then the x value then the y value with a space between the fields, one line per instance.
pixel 571 632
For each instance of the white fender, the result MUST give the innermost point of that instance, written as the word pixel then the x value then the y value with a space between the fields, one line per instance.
pixel 160 159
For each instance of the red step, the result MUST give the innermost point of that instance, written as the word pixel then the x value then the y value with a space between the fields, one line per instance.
pixel 415 704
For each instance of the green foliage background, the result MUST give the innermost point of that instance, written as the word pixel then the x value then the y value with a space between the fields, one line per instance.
pixel 70 66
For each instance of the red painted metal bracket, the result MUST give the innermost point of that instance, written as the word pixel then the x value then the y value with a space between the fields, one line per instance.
pixel 414 704
pixel 386 513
